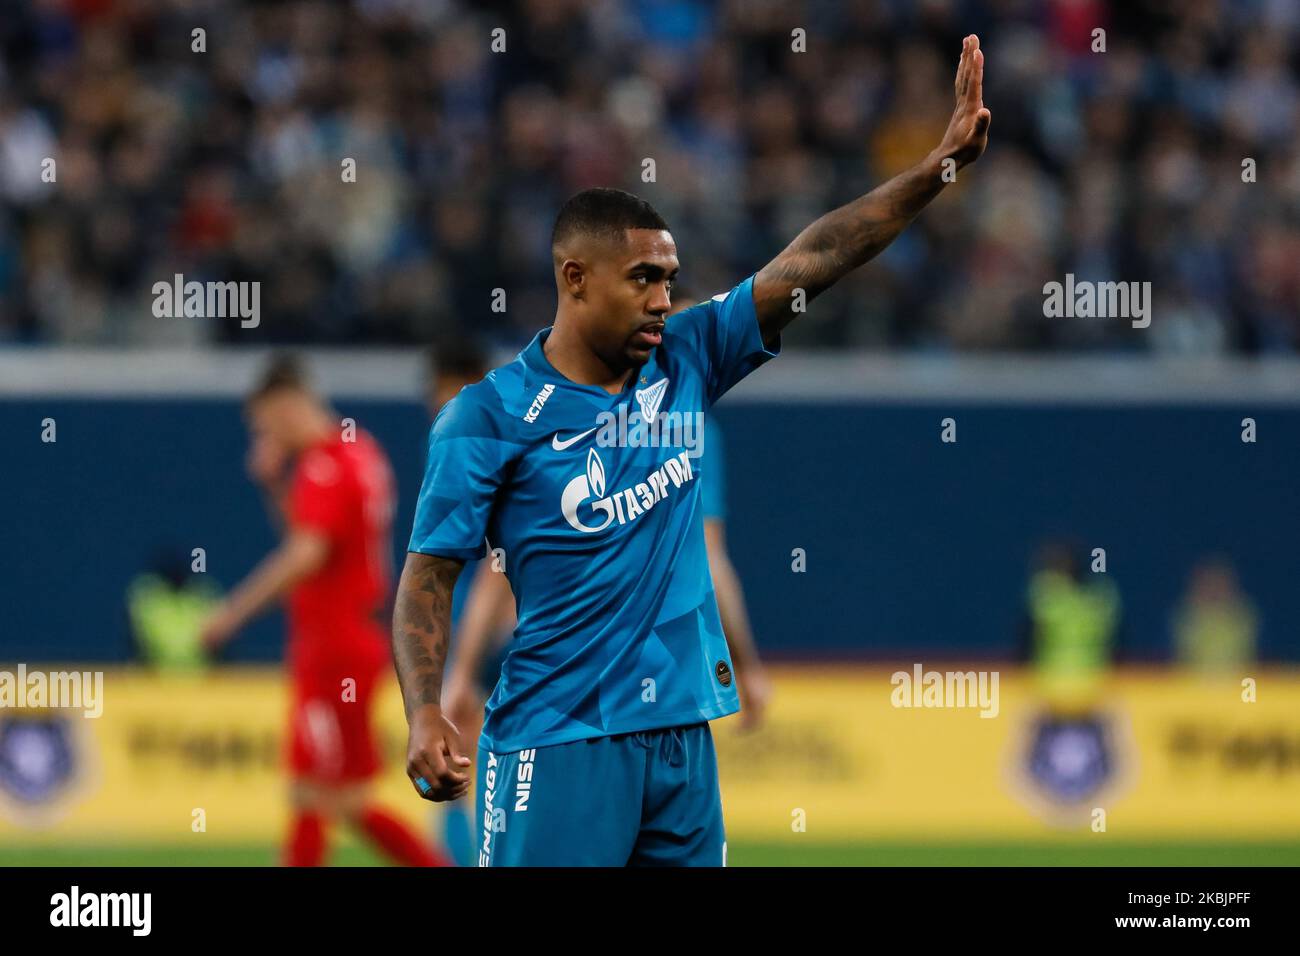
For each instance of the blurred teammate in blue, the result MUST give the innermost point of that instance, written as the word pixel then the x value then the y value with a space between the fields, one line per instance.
pixel 580 463
pixel 483 611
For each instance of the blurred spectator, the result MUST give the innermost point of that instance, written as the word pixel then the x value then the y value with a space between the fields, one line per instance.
pixel 1072 620
pixel 1072 617
pixel 167 606
pixel 1215 626
pixel 227 163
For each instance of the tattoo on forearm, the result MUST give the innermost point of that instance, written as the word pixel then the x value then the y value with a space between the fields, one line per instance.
pixel 842 240
pixel 422 628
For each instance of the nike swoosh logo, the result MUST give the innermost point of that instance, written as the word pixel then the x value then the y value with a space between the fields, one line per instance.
pixel 564 445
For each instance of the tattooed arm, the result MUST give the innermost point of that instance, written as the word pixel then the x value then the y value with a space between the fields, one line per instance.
pixel 421 634
pixel 845 238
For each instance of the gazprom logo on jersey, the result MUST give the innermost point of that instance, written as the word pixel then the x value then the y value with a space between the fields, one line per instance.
pixel 626 504
pixel 648 428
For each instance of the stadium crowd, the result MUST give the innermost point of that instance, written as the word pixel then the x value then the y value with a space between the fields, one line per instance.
pixel 1171 157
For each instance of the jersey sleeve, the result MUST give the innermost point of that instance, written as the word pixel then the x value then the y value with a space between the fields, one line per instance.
pixel 466 461
pixel 318 498
pixel 724 333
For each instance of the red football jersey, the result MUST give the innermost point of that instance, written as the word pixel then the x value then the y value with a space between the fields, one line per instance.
pixel 343 489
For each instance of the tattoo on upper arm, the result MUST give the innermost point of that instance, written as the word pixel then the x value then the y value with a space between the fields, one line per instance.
pixel 838 243
pixel 422 627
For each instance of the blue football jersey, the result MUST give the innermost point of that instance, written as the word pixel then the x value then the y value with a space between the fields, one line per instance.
pixel 594 500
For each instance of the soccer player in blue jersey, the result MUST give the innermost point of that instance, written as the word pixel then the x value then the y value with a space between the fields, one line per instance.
pixel 580 460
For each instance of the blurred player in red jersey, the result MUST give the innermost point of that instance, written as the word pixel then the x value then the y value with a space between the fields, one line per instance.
pixel 332 491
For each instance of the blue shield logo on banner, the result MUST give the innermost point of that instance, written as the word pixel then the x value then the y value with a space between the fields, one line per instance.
pixel 1070 760
pixel 36 757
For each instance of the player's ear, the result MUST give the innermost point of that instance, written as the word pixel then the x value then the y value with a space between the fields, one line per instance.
pixel 573 278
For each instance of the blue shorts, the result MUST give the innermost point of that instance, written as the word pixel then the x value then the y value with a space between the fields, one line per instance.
pixel 642 799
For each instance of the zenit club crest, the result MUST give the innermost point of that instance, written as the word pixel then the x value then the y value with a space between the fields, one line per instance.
pixel 650 399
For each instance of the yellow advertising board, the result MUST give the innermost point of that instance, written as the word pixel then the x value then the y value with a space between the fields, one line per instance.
pixel 837 760
pixel 172 750
pixel 1189 759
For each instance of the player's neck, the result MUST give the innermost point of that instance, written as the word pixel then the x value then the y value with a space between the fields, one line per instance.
pixel 572 358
